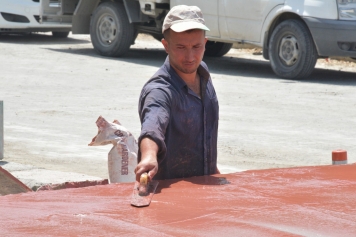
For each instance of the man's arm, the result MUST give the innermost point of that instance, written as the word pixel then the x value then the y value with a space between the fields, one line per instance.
pixel 148 163
pixel 154 112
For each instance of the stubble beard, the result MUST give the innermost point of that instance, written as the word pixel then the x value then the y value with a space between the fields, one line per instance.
pixel 185 70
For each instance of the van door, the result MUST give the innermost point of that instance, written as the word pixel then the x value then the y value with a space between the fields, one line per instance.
pixel 245 19
pixel 57 11
pixel 210 13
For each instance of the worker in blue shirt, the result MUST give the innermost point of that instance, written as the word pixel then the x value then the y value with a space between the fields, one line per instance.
pixel 178 107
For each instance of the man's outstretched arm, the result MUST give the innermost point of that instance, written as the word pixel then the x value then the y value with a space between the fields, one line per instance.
pixel 149 150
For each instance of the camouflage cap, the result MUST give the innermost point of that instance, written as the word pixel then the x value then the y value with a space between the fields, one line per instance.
pixel 182 18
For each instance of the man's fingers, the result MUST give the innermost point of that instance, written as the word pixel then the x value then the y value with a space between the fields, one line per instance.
pixel 141 170
pixel 148 164
pixel 138 173
pixel 152 173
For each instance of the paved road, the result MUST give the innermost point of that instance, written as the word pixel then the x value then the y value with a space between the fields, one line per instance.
pixel 54 90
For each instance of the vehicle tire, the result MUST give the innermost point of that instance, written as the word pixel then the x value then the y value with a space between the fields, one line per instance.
pixel 216 49
pixel 60 34
pixel 110 30
pixel 292 51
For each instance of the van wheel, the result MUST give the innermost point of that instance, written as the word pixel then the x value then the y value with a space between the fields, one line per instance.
pixel 292 51
pixel 60 34
pixel 216 49
pixel 110 30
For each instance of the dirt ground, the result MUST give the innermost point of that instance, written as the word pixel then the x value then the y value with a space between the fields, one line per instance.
pixel 55 89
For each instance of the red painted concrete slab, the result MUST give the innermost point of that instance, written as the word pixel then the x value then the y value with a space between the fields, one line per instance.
pixel 307 201
pixel 9 184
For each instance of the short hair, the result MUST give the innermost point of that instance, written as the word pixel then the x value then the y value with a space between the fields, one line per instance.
pixel 166 34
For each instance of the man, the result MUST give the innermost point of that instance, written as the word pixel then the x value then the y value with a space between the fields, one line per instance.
pixel 178 107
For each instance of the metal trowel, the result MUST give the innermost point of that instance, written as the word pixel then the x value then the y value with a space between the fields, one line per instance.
pixel 143 191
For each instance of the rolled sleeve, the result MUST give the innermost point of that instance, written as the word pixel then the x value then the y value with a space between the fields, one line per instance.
pixel 154 115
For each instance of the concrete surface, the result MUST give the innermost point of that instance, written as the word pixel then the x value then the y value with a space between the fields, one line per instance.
pixel 306 201
pixel 55 89
pixel 34 177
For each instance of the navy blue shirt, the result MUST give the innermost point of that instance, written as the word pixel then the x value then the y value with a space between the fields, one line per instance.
pixel 184 126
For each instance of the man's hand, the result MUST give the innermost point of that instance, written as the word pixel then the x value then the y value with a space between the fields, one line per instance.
pixel 149 164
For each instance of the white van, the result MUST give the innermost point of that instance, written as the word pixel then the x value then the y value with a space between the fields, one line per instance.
pixel 292 33
pixel 19 16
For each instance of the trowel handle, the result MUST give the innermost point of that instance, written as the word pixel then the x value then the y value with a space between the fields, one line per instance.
pixel 144 179
pixel 143 188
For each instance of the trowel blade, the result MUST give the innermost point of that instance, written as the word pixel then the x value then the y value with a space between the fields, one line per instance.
pixel 142 201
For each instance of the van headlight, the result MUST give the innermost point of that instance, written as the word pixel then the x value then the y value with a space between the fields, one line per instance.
pixel 347 9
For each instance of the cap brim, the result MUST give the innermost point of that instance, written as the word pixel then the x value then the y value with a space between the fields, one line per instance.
pixel 184 26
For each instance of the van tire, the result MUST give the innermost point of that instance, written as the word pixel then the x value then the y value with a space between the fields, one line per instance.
pixel 110 30
pixel 292 51
pixel 216 49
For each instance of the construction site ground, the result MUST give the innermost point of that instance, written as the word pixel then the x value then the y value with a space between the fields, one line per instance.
pixel 55 89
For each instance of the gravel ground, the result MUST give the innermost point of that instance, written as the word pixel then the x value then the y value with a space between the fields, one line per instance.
pixel 54 90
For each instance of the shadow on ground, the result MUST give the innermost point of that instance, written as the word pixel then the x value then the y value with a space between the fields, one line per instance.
pixel 38 39
pixel 3 163
pixel 227 65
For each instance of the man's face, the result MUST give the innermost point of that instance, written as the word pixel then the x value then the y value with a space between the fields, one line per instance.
pixel 185 50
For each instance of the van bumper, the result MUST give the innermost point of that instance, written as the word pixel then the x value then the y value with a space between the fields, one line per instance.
pixel 333 37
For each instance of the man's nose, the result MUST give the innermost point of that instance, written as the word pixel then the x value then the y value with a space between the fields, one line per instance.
pixel 189 55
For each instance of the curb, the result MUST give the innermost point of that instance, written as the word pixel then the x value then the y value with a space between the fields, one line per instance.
pixel 80 184
pixel 11 185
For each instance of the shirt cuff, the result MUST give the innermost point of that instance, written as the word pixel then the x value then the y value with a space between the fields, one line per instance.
pixel 160 143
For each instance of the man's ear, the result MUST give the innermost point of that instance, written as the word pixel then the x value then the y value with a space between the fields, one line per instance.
pixel 165 44
pixel 206 40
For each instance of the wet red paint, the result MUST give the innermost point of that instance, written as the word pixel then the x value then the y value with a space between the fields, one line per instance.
pixel 307 201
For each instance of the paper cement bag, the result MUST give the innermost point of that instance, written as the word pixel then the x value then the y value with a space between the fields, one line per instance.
pixel 122 159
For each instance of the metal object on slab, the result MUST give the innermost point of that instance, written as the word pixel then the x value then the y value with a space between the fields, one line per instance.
pixel 143 191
